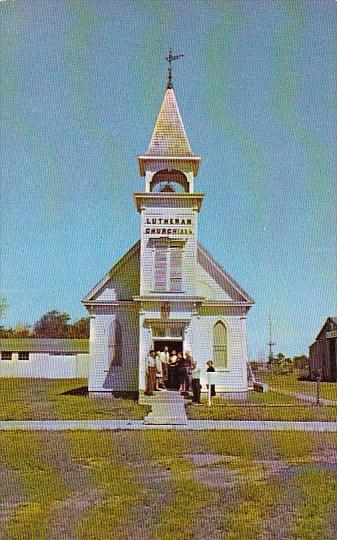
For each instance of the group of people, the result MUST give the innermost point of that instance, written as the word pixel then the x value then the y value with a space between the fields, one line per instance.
pixel 174 371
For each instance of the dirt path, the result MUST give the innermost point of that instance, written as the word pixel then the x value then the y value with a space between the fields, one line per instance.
pixel 12 495
pixel 309 398
pixel 67 514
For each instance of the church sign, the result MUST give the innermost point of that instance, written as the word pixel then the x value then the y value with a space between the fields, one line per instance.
pixel 177 223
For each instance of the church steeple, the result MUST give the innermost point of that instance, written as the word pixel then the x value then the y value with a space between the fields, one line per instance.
pixel 169 147
pixel 169 137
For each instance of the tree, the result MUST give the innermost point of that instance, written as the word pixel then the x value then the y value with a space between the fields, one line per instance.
pixel 6 332
pixel 301 362
pixel 282 365
pixel 280 358
pixel 22 331
pixel 52 325
pixel 80 329
pixel 3 306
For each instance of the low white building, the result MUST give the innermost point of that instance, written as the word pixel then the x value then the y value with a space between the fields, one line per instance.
pixel 46 358
pixel 167 289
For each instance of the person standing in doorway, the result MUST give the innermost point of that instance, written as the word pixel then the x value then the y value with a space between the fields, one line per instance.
pixel 172 368
pixel 165 358
pixel 188 367
pixel 159 373
pixel 211 369
pixel 184 370
pixel 151 371
pixel 196 388
pixel 181 373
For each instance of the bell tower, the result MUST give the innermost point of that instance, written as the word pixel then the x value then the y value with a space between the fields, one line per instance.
pixel 168 206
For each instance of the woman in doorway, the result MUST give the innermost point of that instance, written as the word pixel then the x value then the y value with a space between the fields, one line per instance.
pixel 181 373
pixel 210 368
pixel 172 368
pixel 165 358
pixel 177 371
pixel 159 374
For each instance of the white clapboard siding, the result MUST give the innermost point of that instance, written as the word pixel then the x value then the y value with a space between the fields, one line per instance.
pixel 201 340
pixel 105 375
pixel 46 366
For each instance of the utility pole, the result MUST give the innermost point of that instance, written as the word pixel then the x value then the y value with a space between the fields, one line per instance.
pixel 270 344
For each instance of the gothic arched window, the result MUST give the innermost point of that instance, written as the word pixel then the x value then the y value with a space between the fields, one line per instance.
pixel 115 343
pixel 220 345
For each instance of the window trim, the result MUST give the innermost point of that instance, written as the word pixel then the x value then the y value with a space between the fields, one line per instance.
pixel 23 353
pixel 171 279
pixel 165 254
pixel 168 244
pixel 227 368
pixel 7 359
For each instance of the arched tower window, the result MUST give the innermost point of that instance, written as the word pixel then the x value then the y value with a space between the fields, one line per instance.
pixel 220 345
pixel 169 180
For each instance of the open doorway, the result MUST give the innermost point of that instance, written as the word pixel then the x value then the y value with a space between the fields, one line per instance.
pixel 173 345
pixel 172 379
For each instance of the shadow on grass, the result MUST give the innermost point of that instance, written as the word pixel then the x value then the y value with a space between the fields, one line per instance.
pixel 83 391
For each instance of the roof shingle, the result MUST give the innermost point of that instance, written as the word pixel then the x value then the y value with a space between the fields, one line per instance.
pixel 169 138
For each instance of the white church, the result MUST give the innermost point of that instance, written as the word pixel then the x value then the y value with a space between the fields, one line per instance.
pixel 167 290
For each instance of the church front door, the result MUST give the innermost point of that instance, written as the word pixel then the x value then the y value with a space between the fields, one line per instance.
pixel 173 379
pixel 173 345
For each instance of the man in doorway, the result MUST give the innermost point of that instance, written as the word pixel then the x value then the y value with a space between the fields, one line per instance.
pixel 196 388
pixel 151 371
pixel 164 358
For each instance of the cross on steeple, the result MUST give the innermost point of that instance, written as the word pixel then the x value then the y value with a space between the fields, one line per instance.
pixel 170 59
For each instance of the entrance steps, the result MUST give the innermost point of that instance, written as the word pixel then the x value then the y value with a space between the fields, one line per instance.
pixel 167 408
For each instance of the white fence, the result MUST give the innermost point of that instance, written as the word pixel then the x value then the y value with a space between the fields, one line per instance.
pixel 47 366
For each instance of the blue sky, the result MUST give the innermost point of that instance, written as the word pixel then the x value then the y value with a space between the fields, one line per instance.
pixel 81 88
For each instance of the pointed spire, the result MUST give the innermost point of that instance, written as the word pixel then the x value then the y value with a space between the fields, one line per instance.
pixel 169 137
pixel 169 146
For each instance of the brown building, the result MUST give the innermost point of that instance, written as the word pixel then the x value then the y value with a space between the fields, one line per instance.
pixel 323 352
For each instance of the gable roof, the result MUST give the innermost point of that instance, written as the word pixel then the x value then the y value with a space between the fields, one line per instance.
pixel 55 345
pixel 169 137
pixel 329 319
pixel 220 275
pixel 126 257
pixel 205 259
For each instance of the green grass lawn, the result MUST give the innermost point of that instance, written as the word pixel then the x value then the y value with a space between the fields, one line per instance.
pixel 44 399
pixel 159 485
pixel 328 390
pixel 261 406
